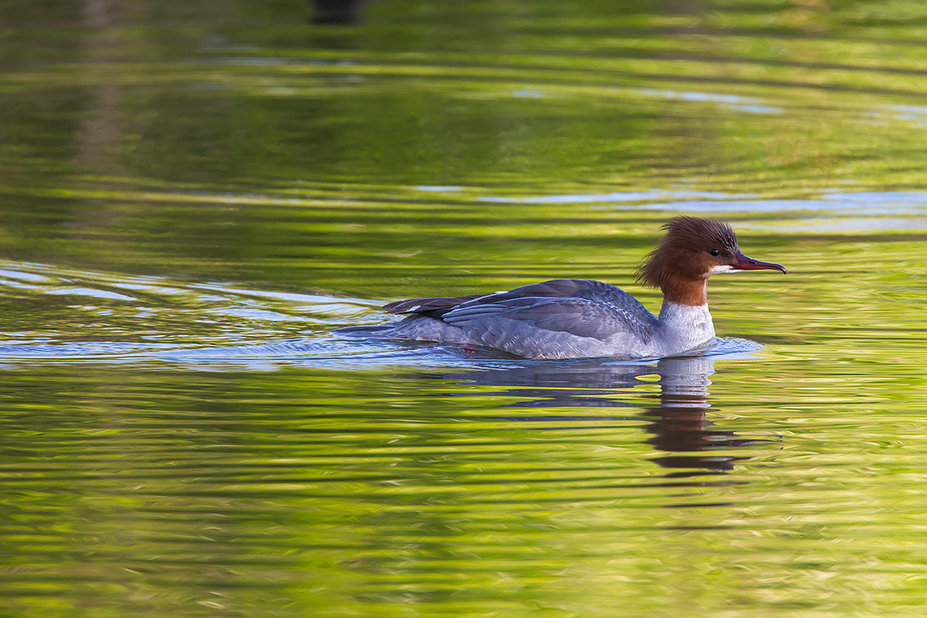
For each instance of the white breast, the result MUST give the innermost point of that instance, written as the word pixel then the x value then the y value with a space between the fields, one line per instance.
pixel 684 327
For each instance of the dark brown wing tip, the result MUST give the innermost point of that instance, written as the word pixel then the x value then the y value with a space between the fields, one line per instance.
pixel 422 305
pixel 402 306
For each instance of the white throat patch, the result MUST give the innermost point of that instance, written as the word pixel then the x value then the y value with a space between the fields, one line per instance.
pixel 723 268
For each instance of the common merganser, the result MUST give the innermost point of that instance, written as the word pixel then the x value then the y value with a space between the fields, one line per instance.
pixel 575 318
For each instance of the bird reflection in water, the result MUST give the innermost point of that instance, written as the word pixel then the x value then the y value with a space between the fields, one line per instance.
pixel 681 424
pixel 681 428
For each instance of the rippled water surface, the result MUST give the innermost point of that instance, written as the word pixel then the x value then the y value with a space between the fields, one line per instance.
pixel 194 195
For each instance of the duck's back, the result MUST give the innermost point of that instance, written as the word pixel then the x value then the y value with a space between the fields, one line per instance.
pixel 561 318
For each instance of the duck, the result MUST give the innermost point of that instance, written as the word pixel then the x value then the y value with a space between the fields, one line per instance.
pixel 579 318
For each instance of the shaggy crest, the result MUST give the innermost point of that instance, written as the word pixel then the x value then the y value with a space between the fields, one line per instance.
pixel 682 252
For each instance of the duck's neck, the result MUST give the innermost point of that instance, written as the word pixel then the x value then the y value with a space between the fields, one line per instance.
pixel 684 318
pixel 692 292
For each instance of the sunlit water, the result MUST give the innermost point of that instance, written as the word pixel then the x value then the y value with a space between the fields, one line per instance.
pixel 194 196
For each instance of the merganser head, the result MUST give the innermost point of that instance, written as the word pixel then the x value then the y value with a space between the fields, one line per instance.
pixel 692 250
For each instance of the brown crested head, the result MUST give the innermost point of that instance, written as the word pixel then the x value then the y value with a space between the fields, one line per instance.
pixel 692 250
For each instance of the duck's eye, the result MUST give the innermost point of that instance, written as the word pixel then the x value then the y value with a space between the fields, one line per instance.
pixel 713 251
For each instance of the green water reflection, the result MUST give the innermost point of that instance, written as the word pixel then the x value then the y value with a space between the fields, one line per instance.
pixel 456 492
pixel 192 195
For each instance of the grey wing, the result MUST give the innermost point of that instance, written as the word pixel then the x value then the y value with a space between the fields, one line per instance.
pixel 586 316
pixel 557 288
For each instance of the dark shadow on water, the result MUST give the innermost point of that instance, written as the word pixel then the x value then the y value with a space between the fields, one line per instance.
pixel 336 11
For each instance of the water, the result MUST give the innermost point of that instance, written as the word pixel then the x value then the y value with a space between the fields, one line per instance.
pixel 193 196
